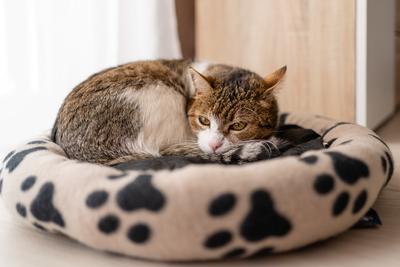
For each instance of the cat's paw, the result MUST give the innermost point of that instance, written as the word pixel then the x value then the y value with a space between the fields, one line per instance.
pixel 249 152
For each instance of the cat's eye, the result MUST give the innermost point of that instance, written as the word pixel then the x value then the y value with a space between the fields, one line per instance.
pixel 238 126
pixel 204 121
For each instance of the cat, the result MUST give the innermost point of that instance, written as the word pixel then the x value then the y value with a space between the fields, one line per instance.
pixel 147 109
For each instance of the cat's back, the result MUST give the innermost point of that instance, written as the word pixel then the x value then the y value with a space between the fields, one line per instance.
pixel 123 109
pixel 134 75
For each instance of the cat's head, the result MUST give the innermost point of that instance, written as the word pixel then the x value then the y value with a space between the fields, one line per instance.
pixel 231 105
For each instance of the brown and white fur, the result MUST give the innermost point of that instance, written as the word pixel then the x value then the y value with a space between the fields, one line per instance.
pixel 148 109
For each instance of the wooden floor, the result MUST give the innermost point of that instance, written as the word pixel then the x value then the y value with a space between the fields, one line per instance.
pixel 20 246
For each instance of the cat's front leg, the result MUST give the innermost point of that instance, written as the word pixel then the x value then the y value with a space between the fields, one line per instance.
pixel 250 152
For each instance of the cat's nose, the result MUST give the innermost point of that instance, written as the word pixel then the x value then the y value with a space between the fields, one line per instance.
pixel 214 145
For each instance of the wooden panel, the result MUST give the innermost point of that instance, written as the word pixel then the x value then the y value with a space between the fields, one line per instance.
pixel 398 70
pixel 397 16
pixel 314 38
pixel 185 17
pixel 398 53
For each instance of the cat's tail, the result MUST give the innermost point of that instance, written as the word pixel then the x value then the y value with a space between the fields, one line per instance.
pixel 135 156
pixel 185 149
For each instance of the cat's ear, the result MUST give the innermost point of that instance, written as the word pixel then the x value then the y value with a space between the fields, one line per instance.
pixel 273 79
pixel 200 83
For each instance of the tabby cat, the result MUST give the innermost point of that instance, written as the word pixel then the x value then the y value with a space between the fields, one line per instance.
pixel 147 109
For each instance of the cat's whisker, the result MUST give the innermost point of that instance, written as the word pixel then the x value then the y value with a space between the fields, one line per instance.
pixel 273 144
pixel 269 149
pixel 264 143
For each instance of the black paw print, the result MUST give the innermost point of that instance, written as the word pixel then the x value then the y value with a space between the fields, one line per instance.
pixel 350 170
pixel 41 208
pixel 260 222
pixel 138 194
pixel 325 183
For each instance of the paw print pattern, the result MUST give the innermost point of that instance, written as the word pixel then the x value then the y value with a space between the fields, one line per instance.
pixel 260 222
pixel 324 184
pixel 14 159
pixel 350 171
pixel 139 233
pixel 386 160
pixel 140 194
pixel 222 204
pixel 96 199
pixel 360 201
pixel 41 208
pixel 137 194
pixel 263 220
pixel 108 224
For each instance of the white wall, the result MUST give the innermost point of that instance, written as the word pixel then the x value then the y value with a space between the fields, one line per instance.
pixel 375 61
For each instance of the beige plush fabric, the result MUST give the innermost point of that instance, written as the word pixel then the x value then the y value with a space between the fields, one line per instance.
pixel 202 212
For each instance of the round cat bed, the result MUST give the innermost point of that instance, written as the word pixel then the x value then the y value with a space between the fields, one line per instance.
pixel 202 212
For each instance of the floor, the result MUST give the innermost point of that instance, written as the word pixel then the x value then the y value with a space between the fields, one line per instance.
pixel 20 246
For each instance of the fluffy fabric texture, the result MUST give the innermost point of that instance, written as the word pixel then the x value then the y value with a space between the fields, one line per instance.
pixel 202 211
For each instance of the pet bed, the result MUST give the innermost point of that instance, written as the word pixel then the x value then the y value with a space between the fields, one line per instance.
pixel 199 211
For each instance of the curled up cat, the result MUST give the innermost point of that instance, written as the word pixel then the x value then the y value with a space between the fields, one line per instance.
pixel 148 109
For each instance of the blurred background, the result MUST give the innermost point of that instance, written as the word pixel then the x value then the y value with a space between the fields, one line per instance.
pixel 341 54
